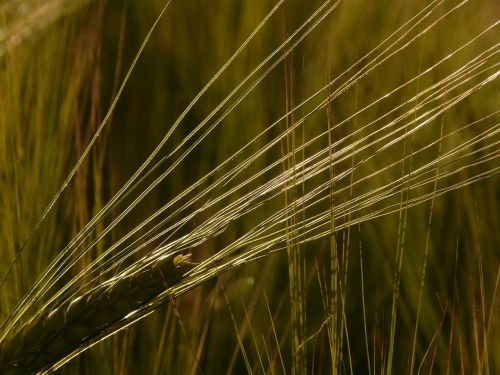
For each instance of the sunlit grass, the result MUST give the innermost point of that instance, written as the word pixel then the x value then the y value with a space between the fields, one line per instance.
pixel 324 174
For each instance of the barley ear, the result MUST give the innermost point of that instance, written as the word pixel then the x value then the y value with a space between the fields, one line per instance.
pixel 56 334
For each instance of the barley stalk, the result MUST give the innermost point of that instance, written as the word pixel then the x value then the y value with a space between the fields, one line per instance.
pixel 68 308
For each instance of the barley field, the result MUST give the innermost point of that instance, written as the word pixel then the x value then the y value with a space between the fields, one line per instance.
pixel 264 187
